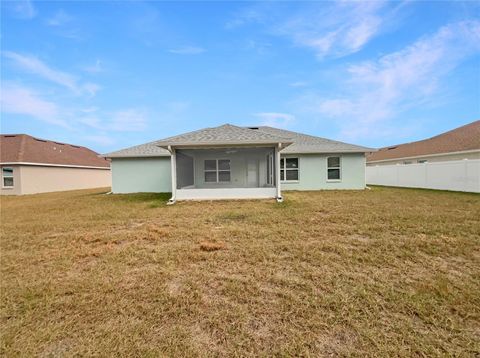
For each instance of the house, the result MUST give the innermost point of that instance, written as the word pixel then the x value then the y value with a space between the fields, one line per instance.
pixel 448 161
pixel 457 144
pixel 231 162
pixel 31 165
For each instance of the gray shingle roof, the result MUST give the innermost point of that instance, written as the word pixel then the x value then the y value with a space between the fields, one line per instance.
pixel 142 150
pixel 304 143
pixel 228 134
pixel 223 135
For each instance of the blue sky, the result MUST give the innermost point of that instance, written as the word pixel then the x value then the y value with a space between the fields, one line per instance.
pixel 109 75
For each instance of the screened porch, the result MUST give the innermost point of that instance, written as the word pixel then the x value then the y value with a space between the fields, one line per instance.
pixel 226 173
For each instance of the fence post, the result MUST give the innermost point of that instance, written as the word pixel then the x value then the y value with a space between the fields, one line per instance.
pixel 425 165
pixel 397 174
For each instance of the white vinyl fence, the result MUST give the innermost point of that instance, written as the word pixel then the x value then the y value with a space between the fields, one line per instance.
pixel 458 175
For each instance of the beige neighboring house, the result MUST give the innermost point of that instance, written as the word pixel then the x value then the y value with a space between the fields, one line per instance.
pixel 457 144
pixel 31 165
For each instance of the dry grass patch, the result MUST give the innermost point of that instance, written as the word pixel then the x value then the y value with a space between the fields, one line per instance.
pixel 385 272
pixel 211 246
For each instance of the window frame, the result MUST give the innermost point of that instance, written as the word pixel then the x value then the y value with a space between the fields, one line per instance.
pixel 339 169
pixel 8 176
pixel 285 169
pixel 217 170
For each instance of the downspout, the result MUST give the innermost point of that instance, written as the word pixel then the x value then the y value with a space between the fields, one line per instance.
pixel 277 167
pixel 173 169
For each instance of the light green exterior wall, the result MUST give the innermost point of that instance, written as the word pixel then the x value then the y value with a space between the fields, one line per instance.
pixel 313 172
pixel 134 175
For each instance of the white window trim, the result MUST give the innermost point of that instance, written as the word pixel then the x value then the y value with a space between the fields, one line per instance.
pixel 339 167
pixel 217 170
pixel 284 169
pixel 8 176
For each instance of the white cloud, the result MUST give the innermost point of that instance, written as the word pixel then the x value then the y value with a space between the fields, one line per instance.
pixel 273 119
pixel 330 29
pixel 102 140
pixel 298 84
pixel 59 19
pixel 380 90
pixel 91 88
pixel 35 66
pixel 187 50
pixel 96 68
pixel 335 30
pixel 127 120
pixel 17 99
pixel 251 14
pixel 21 9
pixel 89 110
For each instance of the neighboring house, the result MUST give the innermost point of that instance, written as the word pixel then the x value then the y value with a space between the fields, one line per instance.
pixel 230 162
pixel 449 161
pixel 457 144
pixel 31 165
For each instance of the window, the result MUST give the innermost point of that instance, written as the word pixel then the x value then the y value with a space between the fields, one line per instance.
pixel 289 169
pixel 421 161
pixel 217 170
pixel 334 169
pixel 7 177
pixel 407 162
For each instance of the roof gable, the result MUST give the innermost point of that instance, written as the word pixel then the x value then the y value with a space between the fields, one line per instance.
pixel 22 148
pixel 459 139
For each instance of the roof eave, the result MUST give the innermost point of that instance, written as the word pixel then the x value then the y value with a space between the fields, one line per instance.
pixel 330 151
pixel 165 145
pixel 110 156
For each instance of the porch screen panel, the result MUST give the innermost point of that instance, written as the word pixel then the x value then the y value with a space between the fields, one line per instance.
pixel 185 170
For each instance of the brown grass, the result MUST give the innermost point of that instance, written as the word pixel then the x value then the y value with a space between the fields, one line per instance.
pixel 211 246
pixel 386 272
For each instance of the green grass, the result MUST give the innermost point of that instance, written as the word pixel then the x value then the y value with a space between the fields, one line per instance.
pixel 381 272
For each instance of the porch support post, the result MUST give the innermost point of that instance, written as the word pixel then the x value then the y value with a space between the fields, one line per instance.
pixel 173 166
pixel 277 170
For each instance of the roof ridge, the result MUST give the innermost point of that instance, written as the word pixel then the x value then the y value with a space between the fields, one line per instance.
pixel 227 130
pixel 29 149
pixel 440 135
pixel 21 152
pixel 454 129
pixel 464 138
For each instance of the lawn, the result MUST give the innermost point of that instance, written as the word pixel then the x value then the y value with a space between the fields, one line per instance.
pixel 381 272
